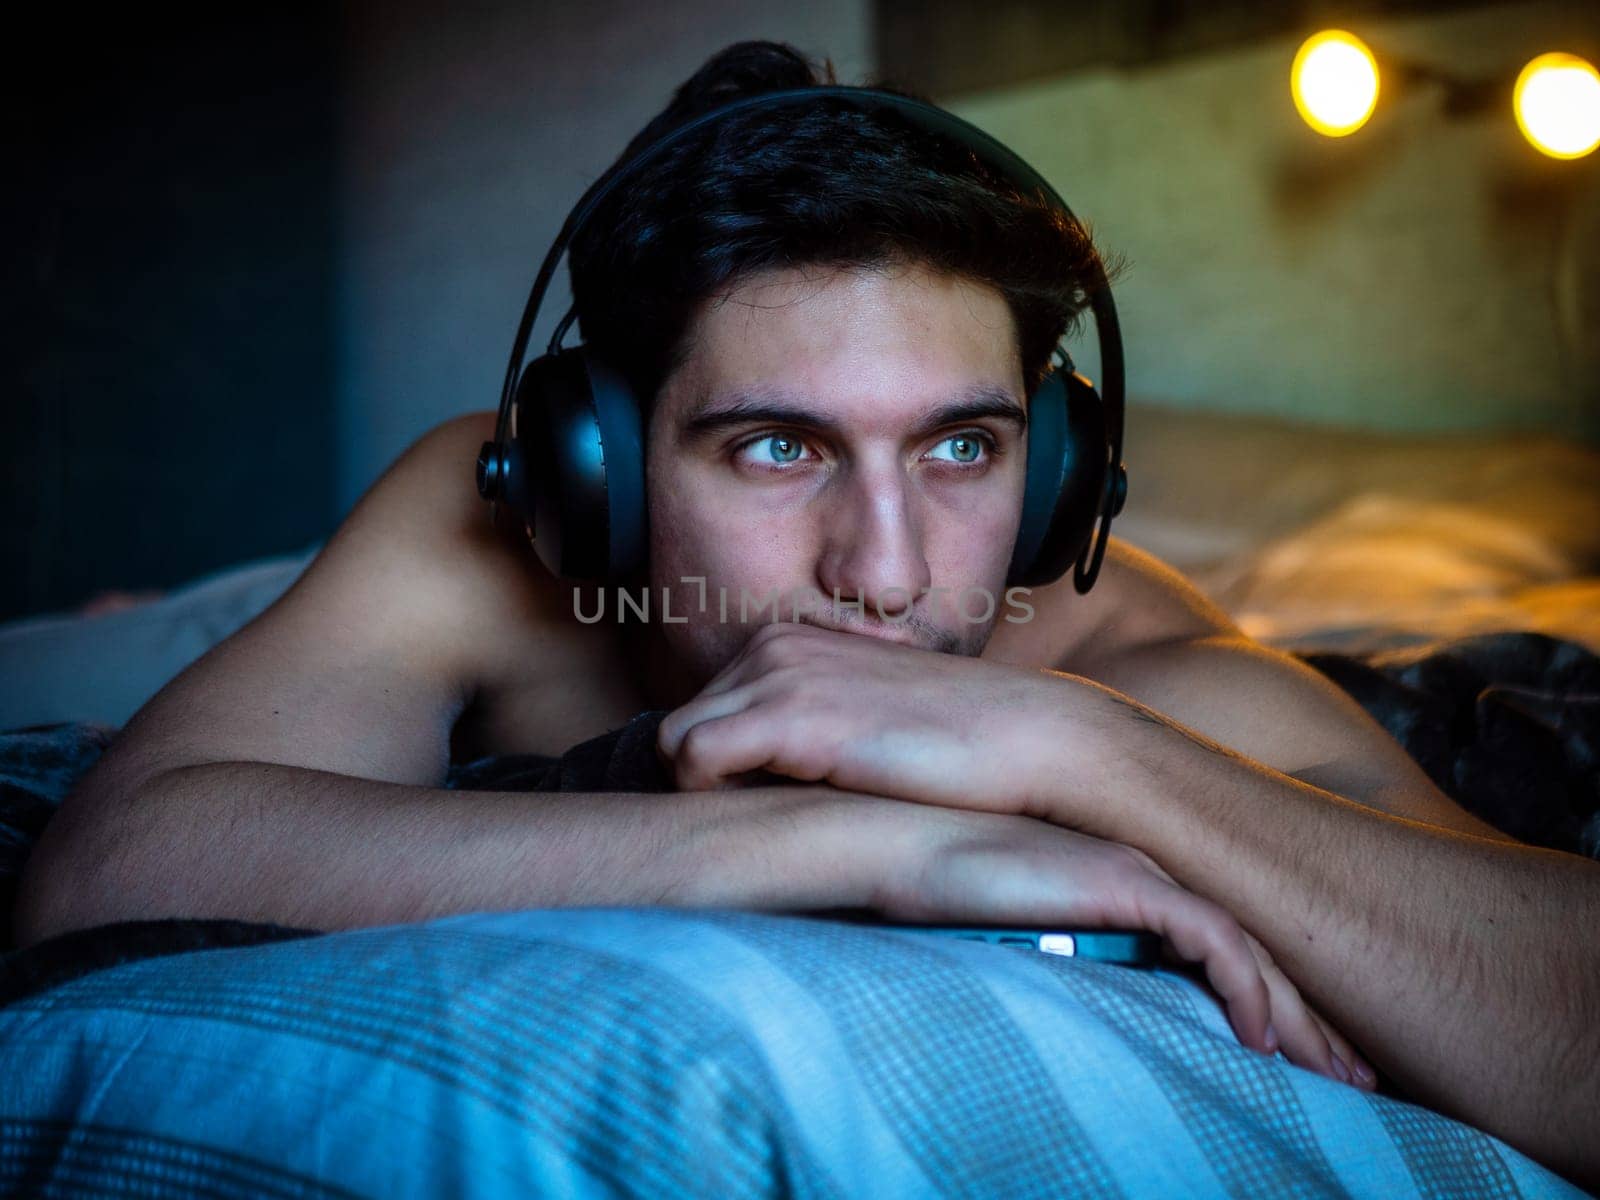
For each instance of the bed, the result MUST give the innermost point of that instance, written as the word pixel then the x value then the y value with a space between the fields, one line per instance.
pixel 656 1052
pixel 1317 538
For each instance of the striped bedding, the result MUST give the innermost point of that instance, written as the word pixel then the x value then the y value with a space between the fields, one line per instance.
pixel 661 1052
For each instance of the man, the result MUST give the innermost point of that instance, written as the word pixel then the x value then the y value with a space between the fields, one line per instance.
pixel 838 373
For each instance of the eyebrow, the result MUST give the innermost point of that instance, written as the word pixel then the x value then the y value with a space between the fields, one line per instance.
pixel 777 407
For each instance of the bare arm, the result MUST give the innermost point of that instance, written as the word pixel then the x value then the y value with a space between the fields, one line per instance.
pixel 310 849
pixel 1465 967
pixel 264 842
pixel 1463 964
pixel 1463 961
pixel 314 733
pixel 293 774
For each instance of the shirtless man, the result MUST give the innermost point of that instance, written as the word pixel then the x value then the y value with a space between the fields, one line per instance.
pixel 1127 757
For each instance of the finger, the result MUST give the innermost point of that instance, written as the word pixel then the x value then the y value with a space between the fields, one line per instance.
pixel 745 666
pixel 715 751
pixel 1363 1076
pixel 735 672
pixel 1152 865
pixel 1304 1036
pixel 1203 932
pixel 704 707
pixel 1299 1033
pixel 1308 1040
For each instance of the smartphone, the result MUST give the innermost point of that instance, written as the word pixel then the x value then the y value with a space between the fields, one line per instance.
pixel 1128 947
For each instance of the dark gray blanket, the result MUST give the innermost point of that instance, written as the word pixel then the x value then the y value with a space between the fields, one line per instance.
pixel 623 760
pixel 1506 724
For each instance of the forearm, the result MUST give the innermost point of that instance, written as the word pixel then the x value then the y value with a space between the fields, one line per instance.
pixel 261 842
pixel 1467 969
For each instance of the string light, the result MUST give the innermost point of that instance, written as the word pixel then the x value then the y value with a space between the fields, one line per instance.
pixel 1557 105
pixel 1334 82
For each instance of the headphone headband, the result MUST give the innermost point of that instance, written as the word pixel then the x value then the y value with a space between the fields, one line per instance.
pixel 988 150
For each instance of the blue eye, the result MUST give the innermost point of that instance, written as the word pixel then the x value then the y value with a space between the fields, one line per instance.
pixel 972 448
pixel 964 448
pixel 777 449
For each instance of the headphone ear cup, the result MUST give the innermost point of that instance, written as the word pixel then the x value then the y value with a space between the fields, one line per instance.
pixel 1068 454
pixel 574 466
pixel 620 418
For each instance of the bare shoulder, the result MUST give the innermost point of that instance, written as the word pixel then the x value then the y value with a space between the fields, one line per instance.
pixel 414 610
pixel 469 592
pixel 1137 601
pixel 528 677
pixel 1149 635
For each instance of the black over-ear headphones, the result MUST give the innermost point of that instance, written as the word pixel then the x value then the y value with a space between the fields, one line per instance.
pixel 568 452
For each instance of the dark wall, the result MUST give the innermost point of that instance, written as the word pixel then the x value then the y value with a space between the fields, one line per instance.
pixel 168 295
pixel 950 47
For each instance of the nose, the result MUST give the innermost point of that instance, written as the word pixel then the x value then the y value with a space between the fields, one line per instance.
pixel 873 551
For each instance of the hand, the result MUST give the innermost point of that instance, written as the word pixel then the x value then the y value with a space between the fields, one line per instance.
pixel 1342 1061
pixel 1003 869
pixel 867 715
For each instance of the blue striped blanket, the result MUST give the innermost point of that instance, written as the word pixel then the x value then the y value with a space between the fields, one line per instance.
pixel 664 1053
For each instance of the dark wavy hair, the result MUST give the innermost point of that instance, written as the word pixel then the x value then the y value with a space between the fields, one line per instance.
pixel 808 185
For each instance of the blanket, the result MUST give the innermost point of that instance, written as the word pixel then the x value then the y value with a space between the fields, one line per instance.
pixel 669 1053
pixel 1507 725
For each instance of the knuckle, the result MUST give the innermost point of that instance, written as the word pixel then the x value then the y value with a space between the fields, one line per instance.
pixel 1218 922
pixel 694 749
pixel 780 649
pixel 1140 857
pixel 1268 963
pixel 804 689
pixel 1135 858
pixel 769 633
pixel 1124 860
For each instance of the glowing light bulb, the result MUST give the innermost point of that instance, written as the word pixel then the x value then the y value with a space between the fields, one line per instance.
pixel 1557 103
pixel 1334 82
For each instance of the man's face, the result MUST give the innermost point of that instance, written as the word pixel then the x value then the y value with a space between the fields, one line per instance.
pixel 835 430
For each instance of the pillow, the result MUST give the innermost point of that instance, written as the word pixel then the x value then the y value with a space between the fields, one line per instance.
pixel 664 1052
pixel 101 669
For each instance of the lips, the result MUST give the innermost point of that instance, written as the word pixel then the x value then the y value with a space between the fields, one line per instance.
pixel 896 635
